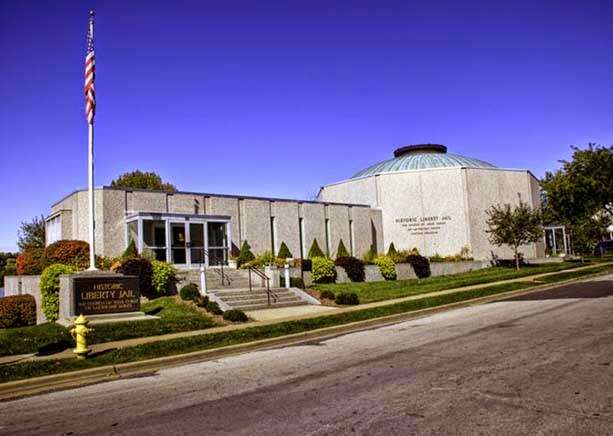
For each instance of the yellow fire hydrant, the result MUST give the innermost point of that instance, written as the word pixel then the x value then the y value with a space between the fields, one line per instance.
pixel 79 333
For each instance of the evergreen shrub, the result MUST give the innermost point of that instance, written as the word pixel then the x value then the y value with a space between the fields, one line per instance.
pixel 346 298
pixel 327 295
pixel 341 251
pixel 315 251
pixel 235 315
pixel 189 292
pixel 284 252
pixel 244 255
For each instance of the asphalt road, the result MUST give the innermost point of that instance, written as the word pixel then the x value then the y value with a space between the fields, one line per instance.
pixel 541 364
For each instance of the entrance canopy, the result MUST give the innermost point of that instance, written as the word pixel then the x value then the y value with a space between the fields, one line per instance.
pixel 184 240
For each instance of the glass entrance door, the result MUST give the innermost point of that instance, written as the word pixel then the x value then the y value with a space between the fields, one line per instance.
pixel 196 243
pixel 178 243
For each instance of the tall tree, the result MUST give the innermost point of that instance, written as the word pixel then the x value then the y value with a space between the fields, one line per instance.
pixel 143 180
pixel 580 195
pixel 31 234
pixel 514 226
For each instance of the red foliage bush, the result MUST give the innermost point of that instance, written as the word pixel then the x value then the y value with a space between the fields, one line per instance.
pixel 31 262
pixel 17 311
pixel 68 252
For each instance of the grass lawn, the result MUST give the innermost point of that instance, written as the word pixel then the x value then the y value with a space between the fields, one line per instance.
pixel 221 339
pixel 175 316
pixel 369 292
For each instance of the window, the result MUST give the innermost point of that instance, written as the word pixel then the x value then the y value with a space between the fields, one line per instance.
pixel 328 243
pixel 154 238
pixel 53 229
pixel 218 243
pixel 351 236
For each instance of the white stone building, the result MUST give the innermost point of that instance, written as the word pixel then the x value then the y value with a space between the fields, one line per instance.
pixel 436 201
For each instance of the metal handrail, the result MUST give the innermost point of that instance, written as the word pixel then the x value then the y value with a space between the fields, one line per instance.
pixel 223 275
pixel 262 275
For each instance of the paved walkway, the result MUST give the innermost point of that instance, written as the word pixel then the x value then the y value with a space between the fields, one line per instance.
pixel 267 317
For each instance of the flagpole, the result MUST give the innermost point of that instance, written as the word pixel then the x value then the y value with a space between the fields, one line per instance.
pixel 90 177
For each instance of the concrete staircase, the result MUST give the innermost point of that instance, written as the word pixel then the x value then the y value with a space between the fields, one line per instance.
pixel 257 298
pixel 234 292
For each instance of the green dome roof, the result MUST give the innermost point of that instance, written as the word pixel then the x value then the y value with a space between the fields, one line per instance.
pixel 420 157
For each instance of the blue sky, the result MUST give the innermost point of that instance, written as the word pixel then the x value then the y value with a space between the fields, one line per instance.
pixel 278 98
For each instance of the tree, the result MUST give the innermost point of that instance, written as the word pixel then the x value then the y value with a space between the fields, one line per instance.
pixel 341 251
pixel 514 226
pixel 284 252
pixel 580 194
pixel 315 251
pixel 31 234
pixel 392 250
pixel 244 255
pixel 143 180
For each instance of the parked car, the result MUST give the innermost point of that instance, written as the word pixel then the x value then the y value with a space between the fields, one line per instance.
pixel 604 247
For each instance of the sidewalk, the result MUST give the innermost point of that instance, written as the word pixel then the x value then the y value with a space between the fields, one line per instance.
pixel 270 318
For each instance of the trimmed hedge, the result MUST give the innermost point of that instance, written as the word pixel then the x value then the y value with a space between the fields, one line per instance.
pixel 30 262
pixel 284 252
pixel 346 298
pixel 235 315
pixel 189 292
pixel 353 267
pixel 214 308
pixel 324 270
pixel 244 255
pixel 68 252
pixel 315 251
pixel 50 289
pixel 341 251
pixel 387 267
pixel 201 301
pixel 140 267
pixel 17 311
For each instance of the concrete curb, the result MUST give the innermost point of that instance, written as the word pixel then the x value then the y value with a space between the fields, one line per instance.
pixel 34 386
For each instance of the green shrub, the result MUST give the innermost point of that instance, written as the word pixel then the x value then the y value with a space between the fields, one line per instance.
pixel 294 282
pixel 30 262
pixel 327 295
pixel 141 268
pixel 50 289
pixel 189 292
pixel 315 251
pixel 131 250
pixel 324 270
pixel 341 251
pixel 68 252
pixel 346 298
pixel 284 252
pixel 244 255
pixel 391 252
pixel 235 315
pixel 17 311
pixel 387 267
pixel 163 276
pixel 201 301
pixel 353 267
pixel 214 308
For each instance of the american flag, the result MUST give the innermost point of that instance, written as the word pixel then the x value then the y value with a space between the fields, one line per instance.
pixel 90 73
